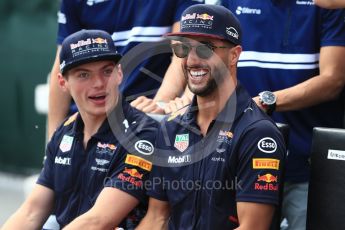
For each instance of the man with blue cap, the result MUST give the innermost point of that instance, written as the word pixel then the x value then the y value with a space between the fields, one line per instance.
pixel 217 166
pixel 99 158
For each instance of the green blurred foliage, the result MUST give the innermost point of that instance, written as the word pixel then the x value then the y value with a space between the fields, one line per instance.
pixel 27 50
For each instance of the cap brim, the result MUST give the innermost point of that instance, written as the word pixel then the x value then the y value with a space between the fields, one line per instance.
pixel 110 57
pixel 177 35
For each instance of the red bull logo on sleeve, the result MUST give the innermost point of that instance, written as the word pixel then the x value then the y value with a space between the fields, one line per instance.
pixel 267 178
pixel 130 179
pixel 268 185
pixel 133 172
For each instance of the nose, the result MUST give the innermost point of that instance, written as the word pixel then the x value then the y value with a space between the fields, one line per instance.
pixel 98 81
pixel 192 57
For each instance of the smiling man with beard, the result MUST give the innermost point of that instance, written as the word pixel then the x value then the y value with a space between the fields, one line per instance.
pixel 217 166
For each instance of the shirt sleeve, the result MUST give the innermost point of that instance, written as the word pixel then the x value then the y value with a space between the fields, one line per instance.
pixel 68 21
pixel 130 171
pixel 46 177
pixel 332 27
pixel 155 186
pixel 260 162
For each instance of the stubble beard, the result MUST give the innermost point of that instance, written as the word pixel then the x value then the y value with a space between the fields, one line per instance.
pixel 216 78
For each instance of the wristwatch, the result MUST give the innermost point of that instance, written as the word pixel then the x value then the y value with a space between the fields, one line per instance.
pixel 268 101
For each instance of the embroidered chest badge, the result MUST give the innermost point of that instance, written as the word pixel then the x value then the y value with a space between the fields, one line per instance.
pixel 181 142
pixel 66 143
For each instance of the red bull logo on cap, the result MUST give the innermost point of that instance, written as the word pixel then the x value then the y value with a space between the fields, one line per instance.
pixel 99 40
pixel 188 16
pixel 204 16
pixel 80 43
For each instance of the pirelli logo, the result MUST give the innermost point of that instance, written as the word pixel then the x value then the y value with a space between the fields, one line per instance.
pixel 138 161
pixel 265 163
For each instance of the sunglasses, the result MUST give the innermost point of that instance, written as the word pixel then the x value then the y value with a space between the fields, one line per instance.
pixel 203 51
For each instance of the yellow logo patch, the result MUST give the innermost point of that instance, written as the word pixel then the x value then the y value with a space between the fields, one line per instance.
pixel 138 161
pixel 265 163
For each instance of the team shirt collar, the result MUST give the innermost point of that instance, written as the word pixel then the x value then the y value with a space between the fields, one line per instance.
pixel 237 103
pixel 118 112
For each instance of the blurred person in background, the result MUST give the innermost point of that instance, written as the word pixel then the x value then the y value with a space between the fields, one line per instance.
pixel 330 4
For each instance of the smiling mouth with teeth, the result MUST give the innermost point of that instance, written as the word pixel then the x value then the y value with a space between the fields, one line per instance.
pixel 197 74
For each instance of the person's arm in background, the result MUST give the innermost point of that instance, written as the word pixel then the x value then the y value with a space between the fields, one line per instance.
pixel 34 211
pixel 330 4
pixel 100 216
pixel 59 101
pixel 172 86
pixel 179 104
pixel 173 82
pixel 321 88
pixel 157 216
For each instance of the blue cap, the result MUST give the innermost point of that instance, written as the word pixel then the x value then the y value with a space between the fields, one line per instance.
pixel 213 21
pixel 87 46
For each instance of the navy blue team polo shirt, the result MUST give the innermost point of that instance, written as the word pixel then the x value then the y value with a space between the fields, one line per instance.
pixel 130 22
pixel 202 178
pixel 281 48
pixel 78 175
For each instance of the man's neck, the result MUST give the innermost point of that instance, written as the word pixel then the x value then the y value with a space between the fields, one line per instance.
pixel 210 106
pixel 91 126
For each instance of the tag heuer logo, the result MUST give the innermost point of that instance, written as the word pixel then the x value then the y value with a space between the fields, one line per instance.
pixel 181 142
pixel 66 143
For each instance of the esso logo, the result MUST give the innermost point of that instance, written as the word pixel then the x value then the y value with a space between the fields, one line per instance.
pixel 267 145
pixel 144 147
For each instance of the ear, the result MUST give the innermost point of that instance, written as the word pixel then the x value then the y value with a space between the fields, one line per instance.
pixel 119 74
pixel 62 82
pixel 235 54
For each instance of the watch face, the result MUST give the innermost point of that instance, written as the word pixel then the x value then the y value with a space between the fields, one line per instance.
pixel 268 98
